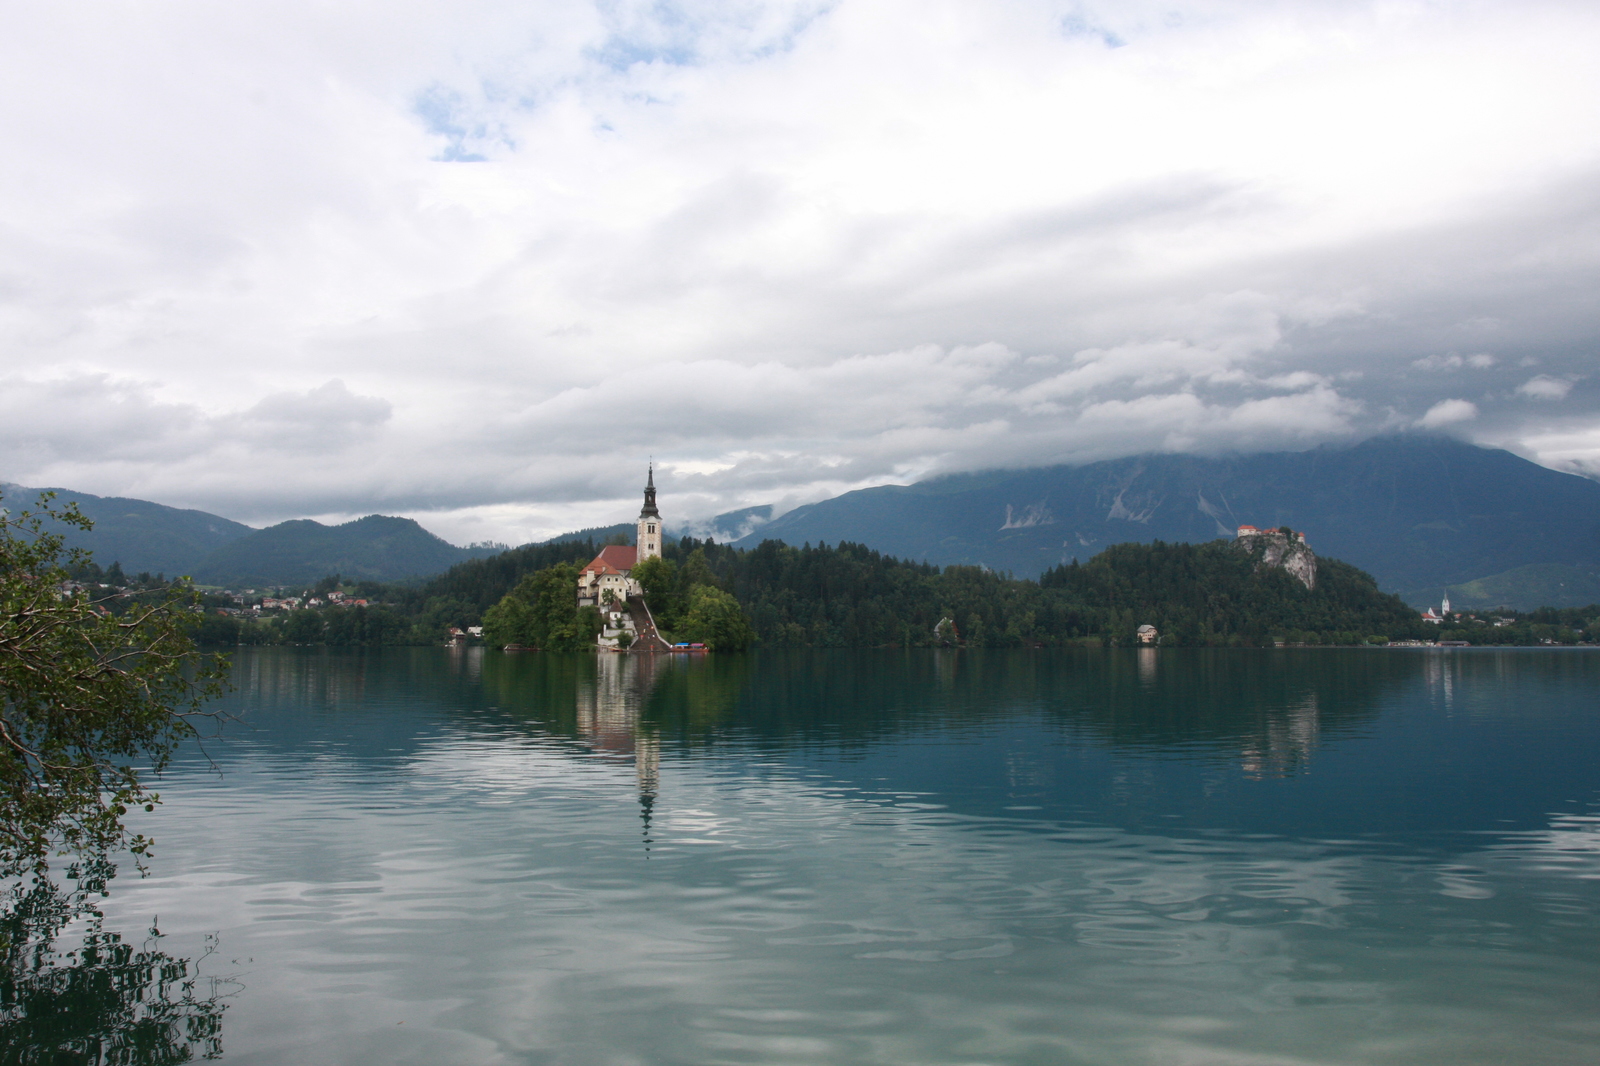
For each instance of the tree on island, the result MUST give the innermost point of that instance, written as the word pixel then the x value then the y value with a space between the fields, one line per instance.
pixel 716 620
pixel 658 581
pixel 689 602
pixel 95 694
pixel 542 612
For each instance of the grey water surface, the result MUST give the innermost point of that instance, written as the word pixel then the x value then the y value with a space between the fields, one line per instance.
pixel 919 857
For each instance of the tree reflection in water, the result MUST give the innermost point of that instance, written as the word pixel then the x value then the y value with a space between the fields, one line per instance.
pixel 97 999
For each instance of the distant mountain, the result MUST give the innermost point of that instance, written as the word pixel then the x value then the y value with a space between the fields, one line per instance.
pixel 724 528
pixel 733 525
pixel 141 535
pixel 598 534
pixel 375 548
pixel 1524 588
pixel 1414 511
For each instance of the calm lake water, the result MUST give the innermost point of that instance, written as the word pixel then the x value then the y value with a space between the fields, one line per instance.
pixel 1140 856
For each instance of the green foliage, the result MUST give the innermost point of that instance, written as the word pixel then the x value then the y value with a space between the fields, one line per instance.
pixel 303 627
pixel 478 584
pixel 716 620
pixel 216 630
pixel 1211 593
pixel 1547 625
pixel 848 595
pixel 678 594
pixel 368 626
pixel 1208 594
pixel 96 693
pixel 658 579
pixel 508 622
pixel 542 612
pixel 696 571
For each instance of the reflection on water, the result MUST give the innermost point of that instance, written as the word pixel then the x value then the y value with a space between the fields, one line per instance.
pixel 1286 743
pixel 608 708
pixel 1141 856
pixel 73 991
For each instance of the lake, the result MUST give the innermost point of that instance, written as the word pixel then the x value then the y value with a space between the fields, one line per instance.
pixel 923 857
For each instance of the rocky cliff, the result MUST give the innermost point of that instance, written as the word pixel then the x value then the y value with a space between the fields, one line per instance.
pixel 1276 548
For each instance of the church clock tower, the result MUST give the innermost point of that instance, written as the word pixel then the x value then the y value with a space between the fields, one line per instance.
pixel 650 520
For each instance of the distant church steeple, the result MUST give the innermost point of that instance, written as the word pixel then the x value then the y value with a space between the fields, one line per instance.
pixel 650 520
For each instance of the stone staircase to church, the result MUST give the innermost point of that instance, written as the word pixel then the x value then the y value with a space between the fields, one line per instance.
pixel 644 624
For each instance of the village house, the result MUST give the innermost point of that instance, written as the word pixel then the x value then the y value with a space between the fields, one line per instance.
pixel 608 577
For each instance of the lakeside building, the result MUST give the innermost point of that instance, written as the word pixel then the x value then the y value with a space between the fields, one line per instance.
pixel 1444 612
pixel 608 578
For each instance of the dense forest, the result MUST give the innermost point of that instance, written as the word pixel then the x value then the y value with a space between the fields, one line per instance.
pixel 848 595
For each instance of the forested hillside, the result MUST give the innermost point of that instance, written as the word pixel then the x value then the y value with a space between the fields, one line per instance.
pixel 851 596
pixel 848 595
pixel 377 548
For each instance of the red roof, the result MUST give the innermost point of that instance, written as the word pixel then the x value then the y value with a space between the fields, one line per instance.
pixel 618 557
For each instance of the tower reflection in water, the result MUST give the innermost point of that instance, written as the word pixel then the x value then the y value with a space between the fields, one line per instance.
pixel 610 719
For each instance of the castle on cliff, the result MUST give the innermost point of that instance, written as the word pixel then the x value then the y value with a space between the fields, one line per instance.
pixel 1281 548
pixel 1252 531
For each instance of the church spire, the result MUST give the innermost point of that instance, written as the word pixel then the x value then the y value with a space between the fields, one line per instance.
pixel 650 495
pixel 650 531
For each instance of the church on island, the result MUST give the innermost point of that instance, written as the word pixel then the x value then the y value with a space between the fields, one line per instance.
pixel 607 582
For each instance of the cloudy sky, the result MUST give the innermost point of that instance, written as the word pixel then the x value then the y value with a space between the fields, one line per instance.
pixel 476 261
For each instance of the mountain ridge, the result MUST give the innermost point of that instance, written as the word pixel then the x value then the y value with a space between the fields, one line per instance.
pixel 1420 513
pixel 301 551
pixel 1414 511
pixel 139 534
pixel 154 538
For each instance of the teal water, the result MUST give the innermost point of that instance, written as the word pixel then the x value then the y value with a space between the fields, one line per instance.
pixel 1173 856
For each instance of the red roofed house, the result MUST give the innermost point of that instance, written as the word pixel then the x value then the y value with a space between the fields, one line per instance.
pixel 611 570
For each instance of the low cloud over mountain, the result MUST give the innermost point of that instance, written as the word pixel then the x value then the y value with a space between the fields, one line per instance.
pixel 480 262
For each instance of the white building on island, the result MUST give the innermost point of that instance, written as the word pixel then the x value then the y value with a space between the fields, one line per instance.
pixel 608 579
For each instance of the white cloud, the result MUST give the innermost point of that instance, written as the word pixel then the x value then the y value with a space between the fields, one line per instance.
pixel 786 248
pixel 1448 413
pixel 1481 361
pixel 1573 446
pixel 1438 362
pixel 1545 387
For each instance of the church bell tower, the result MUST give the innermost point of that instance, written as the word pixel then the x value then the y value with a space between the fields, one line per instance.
pixel 650 520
